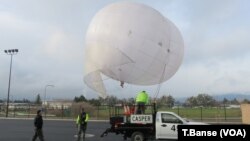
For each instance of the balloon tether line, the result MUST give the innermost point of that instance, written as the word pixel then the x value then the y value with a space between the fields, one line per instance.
pixel 159 85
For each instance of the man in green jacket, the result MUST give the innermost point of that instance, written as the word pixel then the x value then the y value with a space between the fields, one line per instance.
pixel 141 101
pixel 81 123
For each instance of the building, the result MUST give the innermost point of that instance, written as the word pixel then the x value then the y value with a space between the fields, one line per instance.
pixel 58 104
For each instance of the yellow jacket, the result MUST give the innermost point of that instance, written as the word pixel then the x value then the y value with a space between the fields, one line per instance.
pixel 78 120
pixel 142 97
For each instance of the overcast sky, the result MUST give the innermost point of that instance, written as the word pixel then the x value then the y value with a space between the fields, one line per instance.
pixel 50 37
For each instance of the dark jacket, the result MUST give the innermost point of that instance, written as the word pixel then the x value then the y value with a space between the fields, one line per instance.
pixel 38 122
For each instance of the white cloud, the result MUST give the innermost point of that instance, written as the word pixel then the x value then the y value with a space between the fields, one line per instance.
pixel 9 21
pixel 62 46
pixel 212 76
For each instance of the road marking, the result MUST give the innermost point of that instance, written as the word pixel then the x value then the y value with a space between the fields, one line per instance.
pixel 86 135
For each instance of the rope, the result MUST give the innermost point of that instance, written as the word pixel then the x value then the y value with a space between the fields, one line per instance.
pixel 160 82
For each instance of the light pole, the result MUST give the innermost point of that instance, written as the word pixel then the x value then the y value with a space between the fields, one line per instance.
pixel 10 52
pixel 44 101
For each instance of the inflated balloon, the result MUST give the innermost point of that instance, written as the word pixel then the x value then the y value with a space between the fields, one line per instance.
pixel 131 43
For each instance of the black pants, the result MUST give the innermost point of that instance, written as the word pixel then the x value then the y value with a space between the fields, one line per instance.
pixel 39 134
pixel 81 131
pixel 140 108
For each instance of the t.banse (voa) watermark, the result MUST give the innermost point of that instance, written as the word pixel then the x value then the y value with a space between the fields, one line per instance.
pixel 214 132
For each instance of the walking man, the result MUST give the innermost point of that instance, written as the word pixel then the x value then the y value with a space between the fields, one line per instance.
pixel 38 123
pixel 81 123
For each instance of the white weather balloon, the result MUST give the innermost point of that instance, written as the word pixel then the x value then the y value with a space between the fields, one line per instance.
pixel 131 43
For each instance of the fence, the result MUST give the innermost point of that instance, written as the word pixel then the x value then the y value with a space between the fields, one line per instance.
pixel 64 112
pixel 212 114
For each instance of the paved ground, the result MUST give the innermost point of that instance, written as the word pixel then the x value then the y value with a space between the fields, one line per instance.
pixel 23 130
pixel 54 130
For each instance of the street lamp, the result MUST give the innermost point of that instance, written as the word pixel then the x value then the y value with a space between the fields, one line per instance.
pixel 10 52
pixel 44 101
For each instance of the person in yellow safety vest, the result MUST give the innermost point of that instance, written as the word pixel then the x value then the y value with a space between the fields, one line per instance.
pixel 81 123
pixel 141 101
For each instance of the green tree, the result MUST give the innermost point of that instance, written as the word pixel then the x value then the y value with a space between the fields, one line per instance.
pixel 170 101
pixel 112 100
pixel 38 100
pixel 225 101
pixel 81 98
pixel 95 102
pixel 162 101
pixel 235 101
pixel 131 101
pixel 191 101
pixel 245 101
pixel 205 100
pixel 166 101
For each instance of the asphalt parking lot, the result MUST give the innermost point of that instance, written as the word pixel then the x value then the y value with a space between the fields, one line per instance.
pixel 54 130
